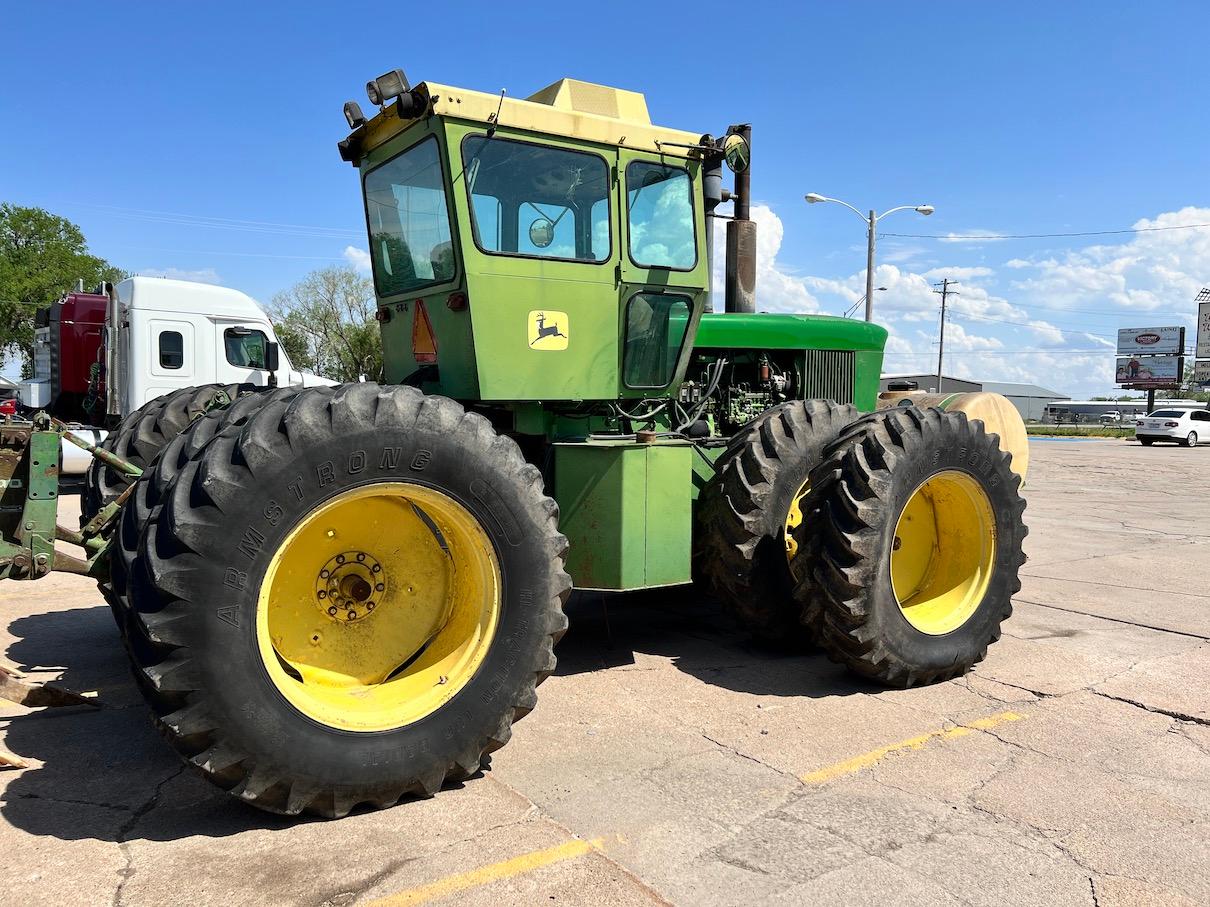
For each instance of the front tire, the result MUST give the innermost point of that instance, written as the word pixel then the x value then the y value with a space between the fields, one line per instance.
pixel 748 510
pixel 392 681
pixel 918 546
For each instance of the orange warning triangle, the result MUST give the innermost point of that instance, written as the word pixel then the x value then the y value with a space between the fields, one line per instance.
pixel 424 341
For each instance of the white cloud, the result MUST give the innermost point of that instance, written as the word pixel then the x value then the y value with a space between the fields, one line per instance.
pixel 358 258
pixel 777 290
pixel 958 273
pixel 973 236
pixel 1158 270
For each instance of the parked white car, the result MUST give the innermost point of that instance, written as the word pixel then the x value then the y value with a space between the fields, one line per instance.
pixel 1184 426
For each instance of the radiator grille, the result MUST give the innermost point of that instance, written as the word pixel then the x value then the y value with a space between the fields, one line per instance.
pixel 829 375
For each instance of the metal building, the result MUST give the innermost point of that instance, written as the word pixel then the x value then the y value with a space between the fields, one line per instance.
pixel 1031 400
pixel 930 384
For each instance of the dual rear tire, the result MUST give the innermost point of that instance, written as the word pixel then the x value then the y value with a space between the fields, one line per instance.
pixel 343 597
pixel 905 549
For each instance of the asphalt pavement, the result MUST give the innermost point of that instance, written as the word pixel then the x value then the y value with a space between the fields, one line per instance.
pixel 670 760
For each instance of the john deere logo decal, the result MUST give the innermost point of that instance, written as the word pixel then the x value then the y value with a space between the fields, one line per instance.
pixel 548 330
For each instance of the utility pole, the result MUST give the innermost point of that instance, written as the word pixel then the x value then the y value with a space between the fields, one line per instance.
pixel 944 292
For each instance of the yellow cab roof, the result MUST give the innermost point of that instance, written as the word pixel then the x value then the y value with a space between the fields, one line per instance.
pixel 568 108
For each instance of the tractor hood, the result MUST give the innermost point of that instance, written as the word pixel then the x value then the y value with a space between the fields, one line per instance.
pixel 771 331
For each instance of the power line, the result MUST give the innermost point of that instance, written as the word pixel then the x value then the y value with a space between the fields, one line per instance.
pixel 1026 324
pixel 1101 312
pixel 998 352
pixel 957 237
pixel 222 223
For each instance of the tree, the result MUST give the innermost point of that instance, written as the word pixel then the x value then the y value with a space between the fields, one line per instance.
pixel 41 257
pixel 326 324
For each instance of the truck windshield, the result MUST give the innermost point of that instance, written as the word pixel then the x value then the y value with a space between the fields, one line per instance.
pixel 408 221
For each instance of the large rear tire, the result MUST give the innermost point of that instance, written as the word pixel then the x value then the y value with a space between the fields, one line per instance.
pixel 292 672
pixel 142 434
pixel 124 566
pixel 748 510
pixel 918 545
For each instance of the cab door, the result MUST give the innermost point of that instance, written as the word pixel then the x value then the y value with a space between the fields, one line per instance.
pixel 662 275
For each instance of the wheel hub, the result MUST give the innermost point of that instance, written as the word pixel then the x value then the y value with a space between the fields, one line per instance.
pixel 350 586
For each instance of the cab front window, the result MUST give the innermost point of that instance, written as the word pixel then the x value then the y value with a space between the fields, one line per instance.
pixel 409 224
pixel 536 200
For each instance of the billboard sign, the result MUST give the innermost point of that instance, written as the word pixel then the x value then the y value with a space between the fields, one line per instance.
pixel 1169 341
pixel 1201 373
pixel 1203 331
pixel 1150 372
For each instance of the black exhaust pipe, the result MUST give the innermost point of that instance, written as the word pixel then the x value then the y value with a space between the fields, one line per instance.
pixel 741 241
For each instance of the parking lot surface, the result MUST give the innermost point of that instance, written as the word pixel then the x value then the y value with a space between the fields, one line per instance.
pixel 671 760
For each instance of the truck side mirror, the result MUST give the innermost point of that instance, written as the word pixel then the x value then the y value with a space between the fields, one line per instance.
pixel 272 360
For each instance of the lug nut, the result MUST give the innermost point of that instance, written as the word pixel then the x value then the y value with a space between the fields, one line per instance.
pixel 378 587
pixel 360 556
pixel 376 568
pixel 323 574
pixel 332 611
pixel 340 558
pixel 352 615
pixel 323 594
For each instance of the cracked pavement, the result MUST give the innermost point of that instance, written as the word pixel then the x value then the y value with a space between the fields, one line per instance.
pixel 680 749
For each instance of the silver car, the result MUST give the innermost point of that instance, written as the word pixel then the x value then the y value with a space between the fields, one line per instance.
pixel 1184 426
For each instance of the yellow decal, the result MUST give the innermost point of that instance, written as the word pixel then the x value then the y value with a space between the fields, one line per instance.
pixel 548 330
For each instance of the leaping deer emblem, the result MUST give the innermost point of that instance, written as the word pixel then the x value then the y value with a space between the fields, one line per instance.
pixel 544 331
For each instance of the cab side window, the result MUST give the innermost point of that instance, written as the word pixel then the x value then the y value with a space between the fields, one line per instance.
pixel 245 347
pixel 659 211
pixel 172 349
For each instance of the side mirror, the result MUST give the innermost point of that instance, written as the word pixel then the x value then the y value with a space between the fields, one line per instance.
pixel 736 153
pixel 542 232
pixel 272 361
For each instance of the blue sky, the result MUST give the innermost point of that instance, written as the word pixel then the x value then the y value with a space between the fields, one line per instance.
pixel 166 130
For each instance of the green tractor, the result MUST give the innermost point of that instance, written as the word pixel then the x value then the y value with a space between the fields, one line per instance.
pixel 337 597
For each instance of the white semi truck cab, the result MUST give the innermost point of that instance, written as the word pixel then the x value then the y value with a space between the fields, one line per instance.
pixel 175 333
pixel 99 356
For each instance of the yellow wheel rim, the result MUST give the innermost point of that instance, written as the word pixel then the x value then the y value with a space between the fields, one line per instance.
pixel 943 553
pixel 793 521
pixel 379 607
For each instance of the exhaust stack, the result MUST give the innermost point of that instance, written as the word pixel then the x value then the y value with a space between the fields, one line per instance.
pixel 741 241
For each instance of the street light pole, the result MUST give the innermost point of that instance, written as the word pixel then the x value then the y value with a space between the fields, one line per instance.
pixel 869 267
pixel 871 222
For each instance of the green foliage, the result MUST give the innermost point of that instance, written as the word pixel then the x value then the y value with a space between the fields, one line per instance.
pixel 326 324
pixel 41 257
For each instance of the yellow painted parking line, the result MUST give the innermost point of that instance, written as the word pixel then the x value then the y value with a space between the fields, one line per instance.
pixel 526 862
pixel 865 760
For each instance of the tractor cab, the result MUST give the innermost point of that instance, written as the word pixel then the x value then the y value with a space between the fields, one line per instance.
pixel 552 248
